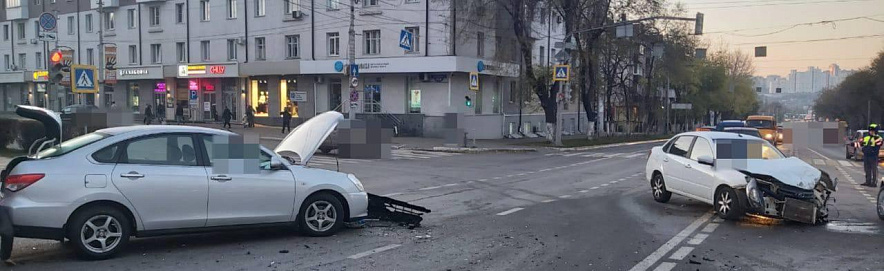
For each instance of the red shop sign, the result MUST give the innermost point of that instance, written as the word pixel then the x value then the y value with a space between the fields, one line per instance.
pixel 217 69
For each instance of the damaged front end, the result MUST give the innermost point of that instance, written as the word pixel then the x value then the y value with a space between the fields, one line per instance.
pixel 388 209
pixel 771 197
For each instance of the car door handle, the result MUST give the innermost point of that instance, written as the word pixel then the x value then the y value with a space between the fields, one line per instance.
pixel 132 174
pixel 666 159
pixel 687 165
pixel 221 178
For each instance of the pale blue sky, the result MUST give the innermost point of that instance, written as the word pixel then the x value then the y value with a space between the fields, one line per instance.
pixel 772 15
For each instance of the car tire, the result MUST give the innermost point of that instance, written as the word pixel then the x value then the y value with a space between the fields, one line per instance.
pixel 325 150
pixel 99 232
pixel 847 154
pixel 727 204
pixel 318 210
pixel 881 202
pixel 658 189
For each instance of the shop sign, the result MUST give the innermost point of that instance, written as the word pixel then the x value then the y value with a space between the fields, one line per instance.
pixel 298 96
pixel 135 71
pixel 193 85
pixel 206 70
pixel 415 98
pixel 110 77
pixel 207 106
pixel 161 87
pixel 41 76
pixel 217 69
pixel 41 88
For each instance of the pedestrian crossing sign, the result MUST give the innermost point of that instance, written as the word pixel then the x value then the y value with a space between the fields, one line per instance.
pixel 84 79
pixel 474 81
pixel 562 73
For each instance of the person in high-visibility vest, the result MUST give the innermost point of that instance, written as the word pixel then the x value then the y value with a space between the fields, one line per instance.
pixel 871 144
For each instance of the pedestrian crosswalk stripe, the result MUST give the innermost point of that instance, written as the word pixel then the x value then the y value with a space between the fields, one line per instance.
pixel 845 163
pixel 819 162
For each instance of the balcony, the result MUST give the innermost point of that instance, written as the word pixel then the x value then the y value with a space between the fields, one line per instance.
pixel 106 3
pixel 19 12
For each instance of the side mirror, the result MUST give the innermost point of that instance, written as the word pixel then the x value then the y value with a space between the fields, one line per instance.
pixel 706 160
pixel 276 163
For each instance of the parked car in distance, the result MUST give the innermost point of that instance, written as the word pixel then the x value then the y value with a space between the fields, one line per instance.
pixel 739 174
pixel 780 134
pixel 744 130
pixel 101 188
pixel 729 123
pixel 704 129
pixel 853 146
pixel 766 125
pixel 79 108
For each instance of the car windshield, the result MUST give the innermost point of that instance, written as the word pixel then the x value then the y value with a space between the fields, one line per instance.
pixel 766 124
pixel 71 145
pixel 754 133
pixel 746 149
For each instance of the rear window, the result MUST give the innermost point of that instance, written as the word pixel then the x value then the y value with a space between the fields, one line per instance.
pixel 766 124
pixel 746 149
pixel 71 145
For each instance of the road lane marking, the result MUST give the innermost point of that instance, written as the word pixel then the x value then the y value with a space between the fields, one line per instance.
pixel 510 211
pixel 665 266
pixel 669 245
pixel 430 188
pixel 710 227
pixel 451 184
pixel 548 200
pixel 482 180
pixel 392 194
pixel 373 251
pixel 594 188
pixel 584 191
pixel 698 239
pixel 544 170
pixel 622 179
pixel 819 162
pixel 565 196
pixel 681 253
pixel 496 178
pixel 521 174
pixel 845 163
pixel 605 184
pixel 633 155
pixel 613 182
pixel 820 155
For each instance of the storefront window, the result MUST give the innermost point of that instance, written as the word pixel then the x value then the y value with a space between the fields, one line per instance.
pixel 133 96
pixel 289 96
pixel 260 97
pixel 372 99
pixel 334 95
pixel 414 101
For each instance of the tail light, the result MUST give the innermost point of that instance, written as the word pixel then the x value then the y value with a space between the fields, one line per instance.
pixel 18 182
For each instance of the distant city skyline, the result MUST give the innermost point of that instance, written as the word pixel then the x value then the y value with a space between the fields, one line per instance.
pixel 808 80
pixel 789 30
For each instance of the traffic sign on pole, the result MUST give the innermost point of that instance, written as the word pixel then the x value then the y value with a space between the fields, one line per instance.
pixel 474 81
pixel 562 73
pixel 406 40
pixel 48 21
pixel 84 80
pixel 354 70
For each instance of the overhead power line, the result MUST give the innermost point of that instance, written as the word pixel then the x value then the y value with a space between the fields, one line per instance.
pixel 765 4
pixel 812 40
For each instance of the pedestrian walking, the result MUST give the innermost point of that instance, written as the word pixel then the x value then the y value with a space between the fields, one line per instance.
pixel 250 117
pixel 227 115
pixel 179 114
pixel 871 144
pixel 148 115
pixel 286 120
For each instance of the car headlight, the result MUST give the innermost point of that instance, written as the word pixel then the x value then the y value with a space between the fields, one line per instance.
pixel 356 182
pixel 768 136
pixel 755 199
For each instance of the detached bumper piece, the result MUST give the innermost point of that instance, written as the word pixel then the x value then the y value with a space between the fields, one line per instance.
pixel 388 209
pixel 770 197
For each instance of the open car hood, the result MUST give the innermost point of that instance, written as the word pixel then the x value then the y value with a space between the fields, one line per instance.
pixel 50 120
pixel 307 137
pixel 790 171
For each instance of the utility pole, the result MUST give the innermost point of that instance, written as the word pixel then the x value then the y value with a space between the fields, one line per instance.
pixel 100 52
pixel 352 57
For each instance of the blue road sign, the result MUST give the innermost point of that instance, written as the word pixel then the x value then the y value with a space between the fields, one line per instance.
pixel 193 95
pixel 47 21
pixel 354 70
pixel 480 66
pixel 474 81
pixel 339 66
pixel 561 73
pixel 406 40
pixel 84 79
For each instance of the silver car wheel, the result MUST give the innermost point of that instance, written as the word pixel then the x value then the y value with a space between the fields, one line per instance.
pixel 724 202
pixel 658 187
pixel 101 233
pixel 881 203
pixel 320 216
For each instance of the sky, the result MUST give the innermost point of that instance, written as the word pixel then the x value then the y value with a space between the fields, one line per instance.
pixel 767 22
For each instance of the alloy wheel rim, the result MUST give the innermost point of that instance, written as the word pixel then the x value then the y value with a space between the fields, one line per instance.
pixel 658 187
pixel 724 203
pixel 101 233
pixel 881 202
pixel 320 216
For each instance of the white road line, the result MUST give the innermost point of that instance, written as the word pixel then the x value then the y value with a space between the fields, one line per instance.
pixel 482 180
pixel 548 200
pixel 392 194
pixel 545 169
pixel 373 251
pixel 622 179
pixel 594 188
pixel 823 156
pixel 496 178
pixel 573 154
pixel 717 220
pixel 710 227
pixel 521 174
pixel 584 191
pixel 669 245
pixel 665 266
pixel 819 162
pixel 633 155
pixel 430 188
pixel 605 184
pixel 565 196
pixel 698 239
pixel 681 253
pixel 613 182
pixel 510 211
pixel 451 184
pixel 845 163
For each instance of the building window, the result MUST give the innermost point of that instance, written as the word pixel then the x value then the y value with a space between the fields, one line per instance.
pixel 5 32
pixel 412 1
pixel 371 3
pixel 542 56
pixel 416 42
pixel 156 54
pixel 6 62
pixel 21 31
pixel 292 6
pixel 133 54
pixel 22 61
pixel 205 11
pixel 372 42
pixel 231 9
pixel 513 92
pixel 132 19
pixel 179 13
pixel 480 44
pixel 372 99
pixel 292 49
pixel 88 23
pixel 552 54
pixel 181 51
pixel 287 88
pixel 334 44
pixel 231 49
pixel 204 50
pixel 90 56
pixel 154 13
pixel 260 48
pixel 260 97
pixel 39 60
pixel 13 3
pixel 495 99
pixel 109 20
pixel 334 4
pixel 261 8
pixel 71 25
pixel 414 97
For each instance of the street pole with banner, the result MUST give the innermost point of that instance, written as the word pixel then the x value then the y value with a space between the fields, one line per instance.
pixel 351 58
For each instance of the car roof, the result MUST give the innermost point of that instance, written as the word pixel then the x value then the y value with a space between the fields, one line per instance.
pixel 718 135
pixel 162 129
pixel 740 128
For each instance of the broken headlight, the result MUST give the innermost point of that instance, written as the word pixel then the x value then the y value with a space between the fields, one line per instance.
pixel 753 193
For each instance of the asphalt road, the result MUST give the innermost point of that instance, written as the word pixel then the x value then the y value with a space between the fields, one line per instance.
pixel 549 210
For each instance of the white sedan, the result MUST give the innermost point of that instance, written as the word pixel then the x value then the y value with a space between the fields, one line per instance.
pixel 99 189
pixel 739 174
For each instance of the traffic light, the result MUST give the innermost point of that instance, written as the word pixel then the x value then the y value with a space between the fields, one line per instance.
pixel 56 67
pixel 468 101
pixel 698 24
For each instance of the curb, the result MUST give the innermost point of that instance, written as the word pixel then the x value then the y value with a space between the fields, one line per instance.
pixel 608 145
pixel 473 150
